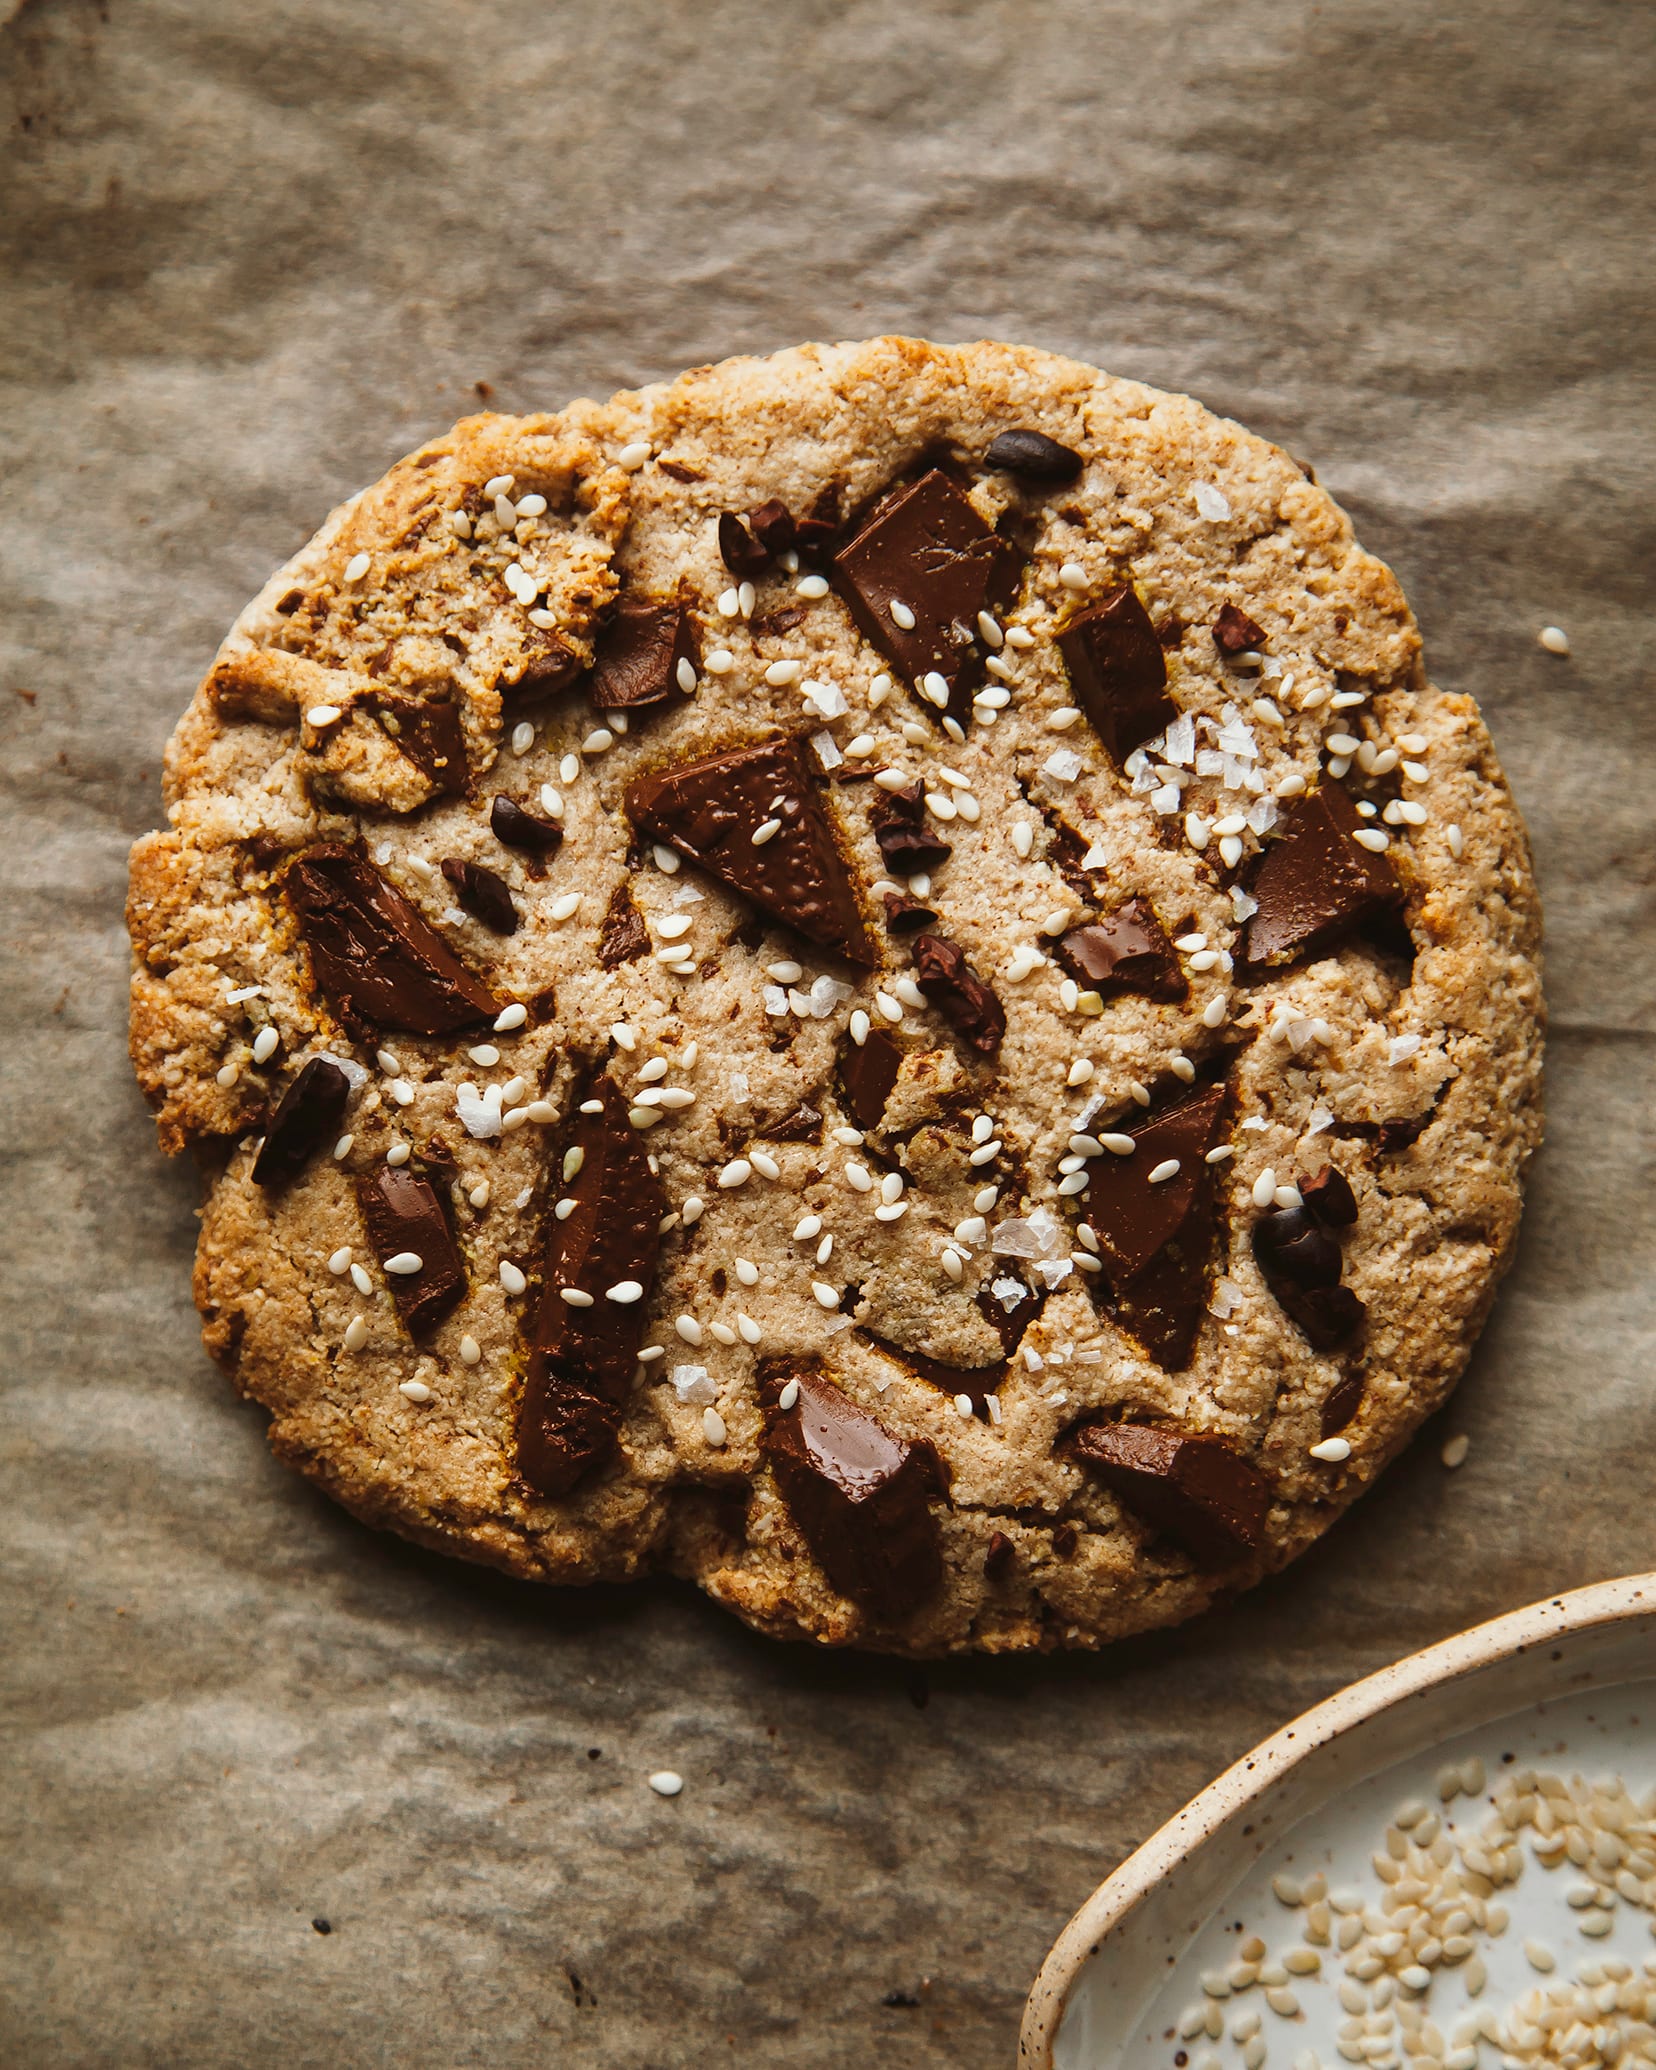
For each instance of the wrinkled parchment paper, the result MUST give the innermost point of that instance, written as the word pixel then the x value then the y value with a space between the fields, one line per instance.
pixel 252 254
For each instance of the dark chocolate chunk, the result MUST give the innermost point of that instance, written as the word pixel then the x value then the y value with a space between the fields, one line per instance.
pixel 1340 1406
pixel 514 826
pixel 624 936
pixel 926 548
pixel 867 1074
pixel 308 1115
pixel 638 658
pixel 1399 1134
pixel 429 734
pixel 403 1213
pixel 1294 1252
pixel 741 553
pixel 1034 456
pixel 771 625
pixel 373 953
pixel 909 843
pixel 1170 633
pixel 711 808
pixel 997 1557
pixel 772 525
pixel 976 1382
pixel 959 994
pixel 1314 884
pixel 548 666
pixel 1234 632
pixel 1127 951
pixel 1329 1316
pixel 1155 1240
pixel 860 1496
pixel 1329 1196
pixel 1117 672
pixel 678 470
pixel 907 915
pixel 1064 1541
pixel 484 895
pixel 581 1359
pixel 802 1125
pixel 1196 1489
pixel 814 533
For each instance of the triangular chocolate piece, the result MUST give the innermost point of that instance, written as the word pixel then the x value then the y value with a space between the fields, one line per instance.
pixel 1118 672
pixel 640 651
pixel 405 1217
pixel 711 809
pixel 868 1071
pixel 1195 1488
pixel 1314 884
pixel 1127 951
pixel 308 1115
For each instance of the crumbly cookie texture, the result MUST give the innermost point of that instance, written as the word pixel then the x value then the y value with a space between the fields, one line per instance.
pixel 873 976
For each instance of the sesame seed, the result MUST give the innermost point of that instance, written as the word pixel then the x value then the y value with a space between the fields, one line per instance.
pixel 934 688
pixel 746 597
pixel 858 1177
pixel 1555 639
pixel 685 674
pixel 901 616
pixel 1076 1182
pixel 879 689
pixel 984 1198
pixel 512 1017
pixel 766 832
pixel 807 1227
pixel 356 1333
pixel 1063 719
pixel 564 907
pixel 985 1153
pixel 1167 1169
pixel 827 1296
pixel 265 1044
pixel 736 1173
pixel 891 1211
pixel 563 1209
pixel 887 1006
pixel 789 1395
pixel 404 1263
pixel 470 1350
pixel 891 1187
pixel 692 1209
pixel 569 768
pixel 397 1154
pixel 575 1297
pixel 859 1027
pixel 1334 1450
pixel 598 741
pixel 1118 1144
pixel 1264 1188
pixel 825 1250
pixel 811 586
pixel 764 1164
pixel 360 1280
pixel 323 715
pixel 688 1328
pixel 1457 845
pixel 1214 1012
pixel 998 665
pixel 1455 1451
pixel 1072 575
pixel 781 673
pixel 356 567
pixel 226 1075
pixel 1080 1071
pixel 963 1407
pixel 666 1782
pixel 632 457
pixel 624 1292
pixel 415 1390
pixel 748 1329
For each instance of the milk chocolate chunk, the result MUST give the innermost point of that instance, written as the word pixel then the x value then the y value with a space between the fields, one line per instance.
pixel 515 826
pixel 1118 673
pixel 1315 884
pixel 581 1359
pixel 404 1215
pixel 1234 632
pixel 959 994
pixel 373 954
pixel 308 1115
pixel 638 658
pixel 860 1496
pixel 625 937
pixel 482 894
pixel 1127 951
pixel 1196 1489
pixel 710 810
pixel 1329 1197
pixel 926 550
pixel 1033 456
pixel 867 1074
pixel 909 843
pixel 741 553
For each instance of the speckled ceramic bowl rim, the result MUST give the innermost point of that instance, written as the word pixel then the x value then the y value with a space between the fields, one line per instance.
pixel 1605 1603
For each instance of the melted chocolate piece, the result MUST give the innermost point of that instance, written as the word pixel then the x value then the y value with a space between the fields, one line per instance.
pixel 1294 1252
pixel 979 1382
pixel 1033 456
pixel 1155 1241
pixel 771 523
pixel 909 843
pixel 403 1213
pixel 1127 951
pixel 624 936
pixel 741 553
pixel 1342 1405
pixel 429 734
pixel 373 954
pixel 959 994
pixel 581 1360
pixel 1329 1197
pixel 925 547
pixel 514 826
pixel 638 656
pixel 867 1074
pixel 1196 1489
pixel 997 1558
pixel 907 915
pixel 1314 884
pixel 308 1115
pixel 1234 632
pixel 484 895
pixel 549 666
pixel 859 1495
pixel 1117 672
pixel 1329 1316
pixel 709 810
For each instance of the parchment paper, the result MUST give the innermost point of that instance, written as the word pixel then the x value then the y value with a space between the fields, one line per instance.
pixel 253 253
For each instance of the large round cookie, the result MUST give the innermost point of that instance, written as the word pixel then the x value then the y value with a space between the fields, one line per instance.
pixel 873 976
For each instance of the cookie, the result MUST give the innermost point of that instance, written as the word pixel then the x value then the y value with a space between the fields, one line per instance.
pixel 872 976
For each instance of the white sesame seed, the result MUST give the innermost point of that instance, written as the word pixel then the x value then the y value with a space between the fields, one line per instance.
pixel 665 1782
pixel 887 1007
pixel 1214 1012
pixel 748 1330
pixel 1080 1071
pixel 1372 838
pixel 569 768
pixel 357 566
pixel 360 1280
pixel 1264 1188
pixel 404 1263
pixel 1555 639
pixel 1334 1450
pixel 323 715
pixel 564 907
pixel 226 1075
pixel 265 1045
pixel 1457 845
pixel 934 688
pixel 985 1153
pixel 356 1333
pixel 1181 1067
pixel 470 1350
pixel 736 1173
pixel 575 1297
pixel 1455 1451
pixel 746 597
pixel 825 1250
pixel 632 457
pixel 1076 1182
pixel 984 1198
pixel 1117 1144
pixel 1219 1156
pixel 511 1017
pixel 1167 1169
pixel 1072 575
pixel 397 1154
pixel 901 616
pixel 599 741
pixel 963 1407
pixel 827 1296
pixel 624 1292
pixel 684 674
pixel 1196 830
pixel 789 1395
pixel 768 831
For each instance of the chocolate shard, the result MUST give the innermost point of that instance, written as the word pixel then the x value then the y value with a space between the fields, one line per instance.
pixel 1195 1488
pixel 867 1074
pixel 374 955
pixel 1127 951
pixel 1234 632
pixel 484 895
pixel 741 553
pixel 801 1124
pixel 997 1557
pixel 1340 1406
pixel 1156 1239
pixel 907 915
pixel 908 842
pixel 624 937
pixel 976 1382
pixel 959 994
pixel 515 826
pixel 860 1496
pixel 711 808
pixel 638 658
pixel 549 666
pixel 308 1115
pixel 430 734
pixel 1033 456
pixel 581 1359
pixel 1118 673
pixel 1294 1252
pixel 925 549
pixel 1314 884
pixel 771 523
pixel 404 1216
pixel 1329 1316
pixel 1329 1197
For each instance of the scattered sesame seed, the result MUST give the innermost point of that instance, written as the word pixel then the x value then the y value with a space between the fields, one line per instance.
pixel 985 1153
pixel 1264 1188
pixel 1332 1449
pixel 1555 639
pixel 827 1296
pixel 1214 1012
pixel 470 1350
pixel 575 1297
pixel 1072 575
pixel 748 1330
pixel 563 908
pixel 632 457
pixel 983 1200
pixel 1167 1169
pixel 357 566
pixel 736 1173
pixel 1455 1451
pixel 404 1263
pixel 226 1075
pixel 360 1280
pixel 1118 1144
pixel 415 1390
pixel 397 1154
pixel 523 737
pixel 356 1333
pixel 764 1164
pixel 1457 844
pixel 323 715
pixel 569 768
pixel 953 1264
pixel 265 1045
pixel 692 1209
pixel 789 1395
pixel 901 616
pixel 963 1407
pixel 766 832
pixel 512 1017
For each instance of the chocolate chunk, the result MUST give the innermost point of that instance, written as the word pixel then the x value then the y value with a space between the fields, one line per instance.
pixel 711 808
pixel 429 734
pixel 1234 632
pixel 1339 1407
pixel 867 1074
pixel 859 1495
pixel 925 548
pixel 404 1214
pixel 1196 1489
pixel 802 1125
pixel 909 843
pixel 771 625
pixel 907 915
pixel 959 994
pixel 1293 1251
pixel 1329 1316
pixel 1398 1135
pixel 997 1557
pixel 307 1116
pixel 624 936
pixel 741 553
pixel 1155 1240
pixel 1170 633
pixel 678 470
pixel 373 953
pixel 1314 884
pixel 581 1360
pixel 638 658
pixel 771 523
pixel 1117 672
pixel 1034 456
pixel 514 826
pixel 814 533
pixel 1064 1541
pixel 1329 1197
pixel 1127 951
pixel 484 895
pixel 548 666
pixel 977 1382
